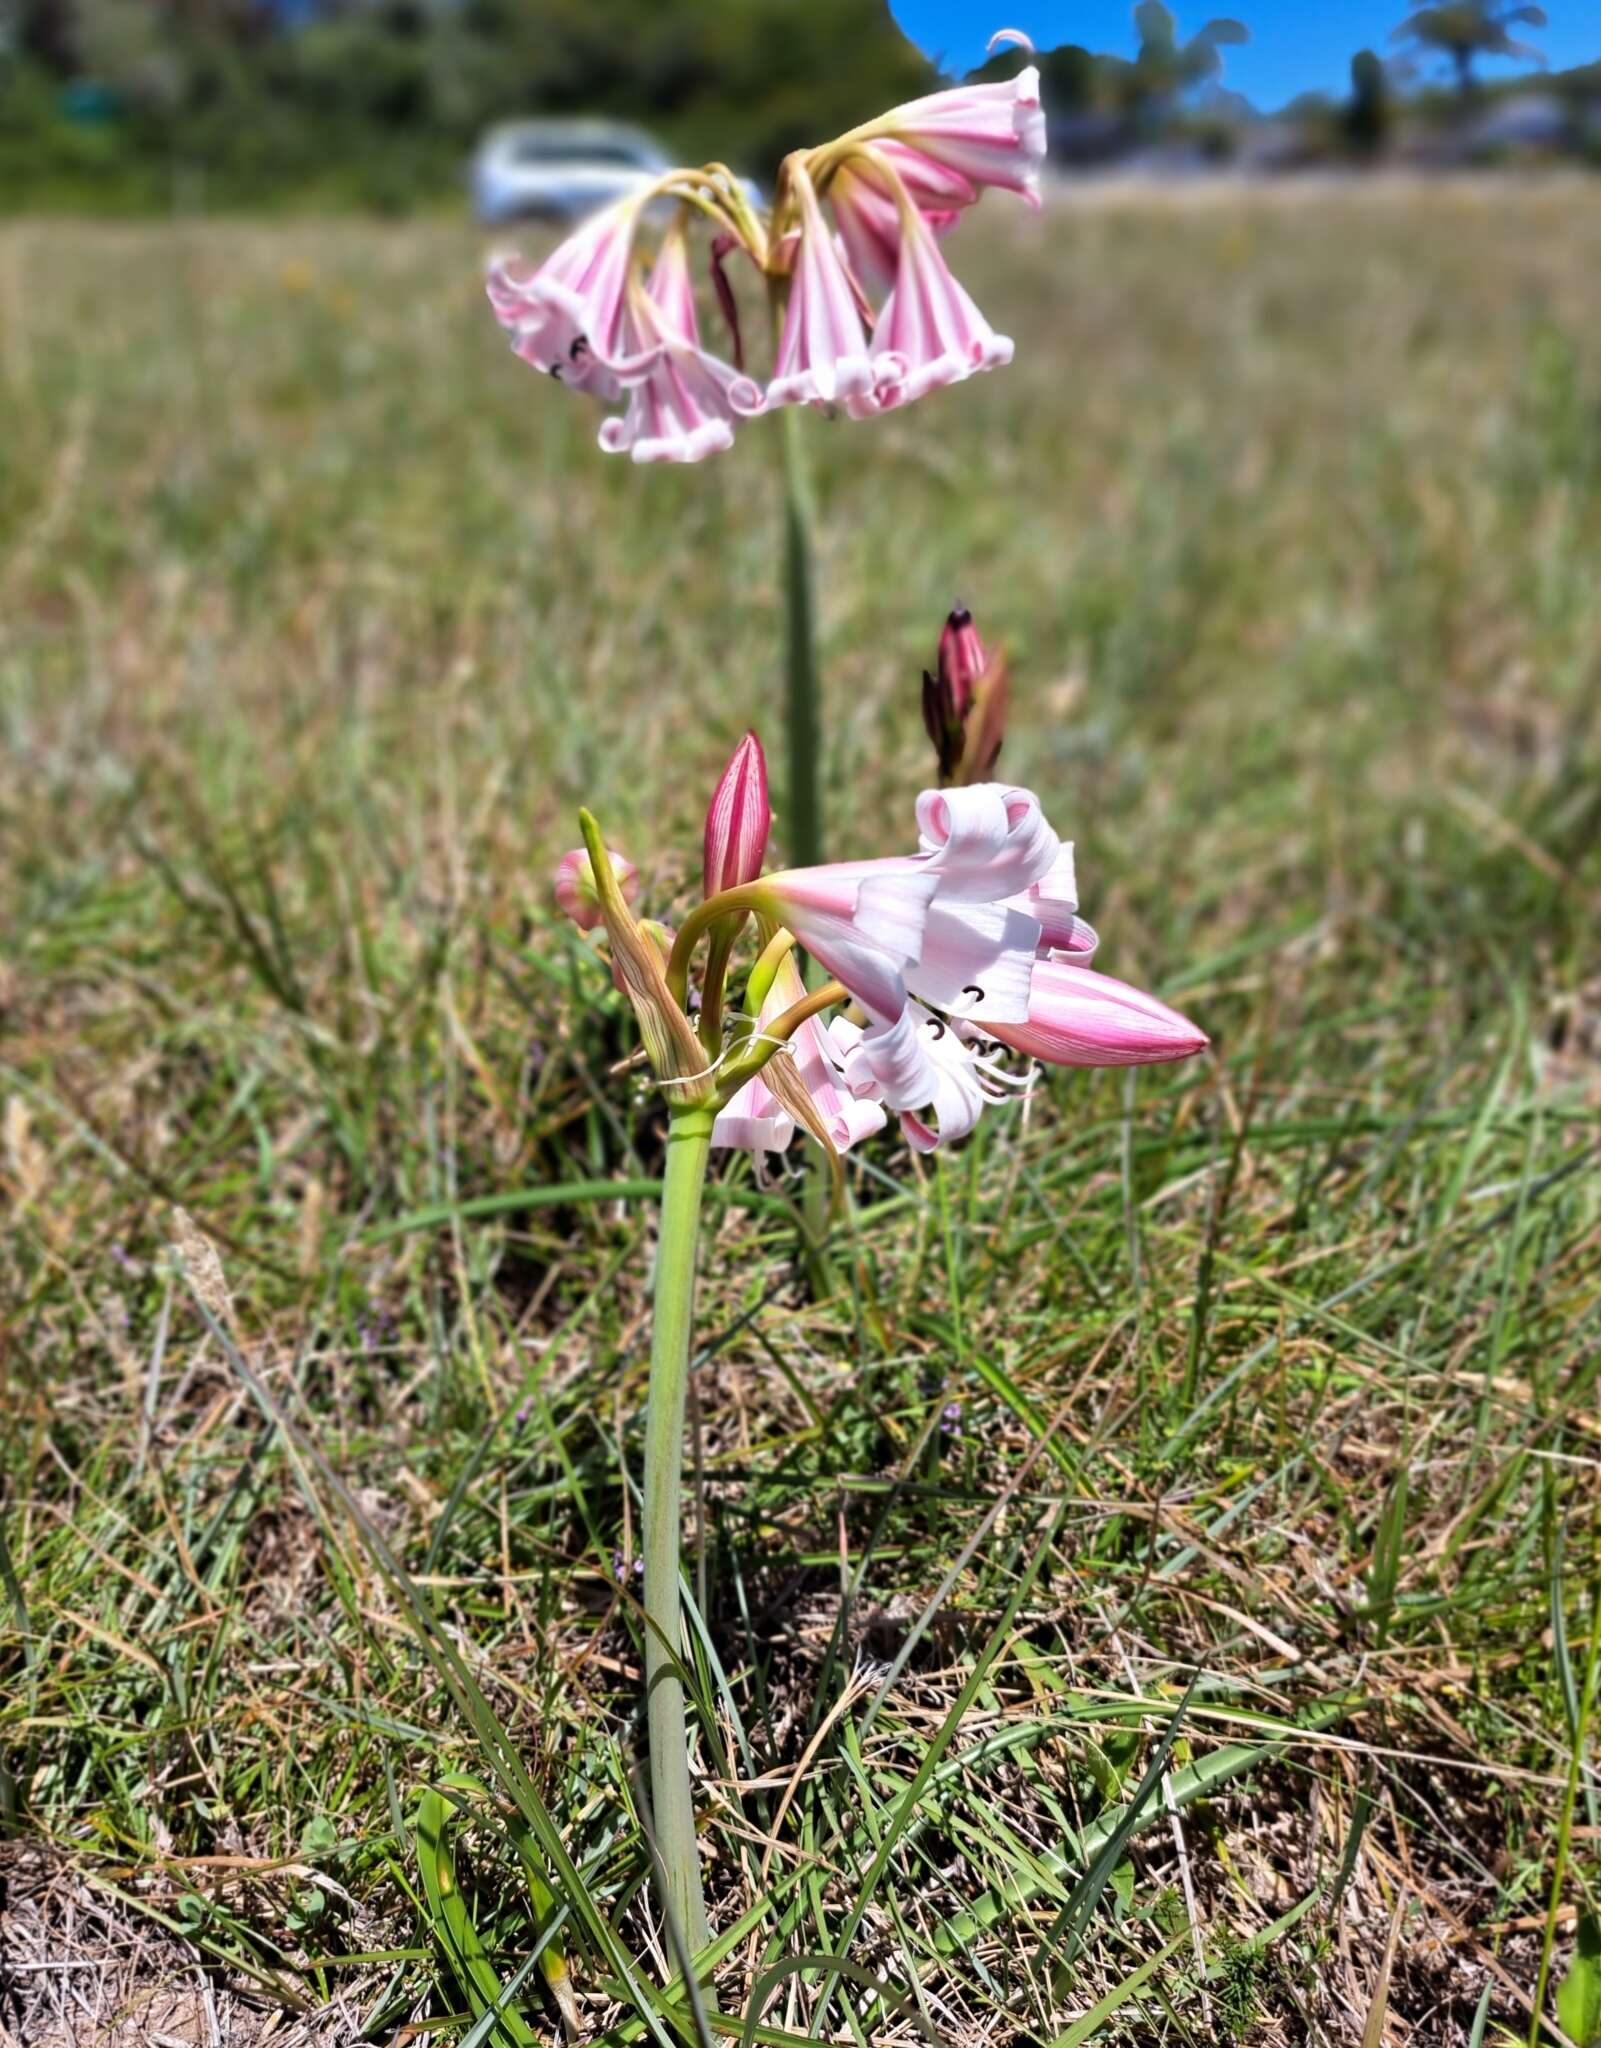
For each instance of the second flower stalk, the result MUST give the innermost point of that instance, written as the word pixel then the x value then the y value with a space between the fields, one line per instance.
pixel 944 962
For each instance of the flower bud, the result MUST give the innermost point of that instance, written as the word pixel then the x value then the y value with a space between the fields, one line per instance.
pixel 739 820
pixel 575 885
pixel 964 702
pixel 962 661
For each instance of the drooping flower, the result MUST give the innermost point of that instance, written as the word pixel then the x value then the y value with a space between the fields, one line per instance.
pixel 587 317
pixel 1078 1017
pixel 738 821
pixel 863 193
pixel 685 404
pixel 992 135
pixel 569 317
pixel 575 890
pixel 929 332
pixel 822 352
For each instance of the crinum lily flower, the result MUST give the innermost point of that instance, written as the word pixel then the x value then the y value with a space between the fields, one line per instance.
pixel 850 218
pixel 947 955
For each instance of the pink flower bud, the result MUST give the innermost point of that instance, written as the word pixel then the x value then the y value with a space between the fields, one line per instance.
pixel 739 820
pixel 962 661
pixel 1079 1018
pixel 575 885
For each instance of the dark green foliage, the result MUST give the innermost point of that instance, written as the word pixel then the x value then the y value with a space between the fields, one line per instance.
pixel 384 103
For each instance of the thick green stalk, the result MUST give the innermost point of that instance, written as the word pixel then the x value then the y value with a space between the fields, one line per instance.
pixel 672 1802
pixel 803 685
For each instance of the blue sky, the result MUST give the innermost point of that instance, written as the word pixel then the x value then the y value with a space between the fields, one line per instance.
pixel 1296 45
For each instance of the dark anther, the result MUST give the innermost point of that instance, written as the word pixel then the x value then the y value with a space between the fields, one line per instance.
pixel 579 348
pixel 937 1026
pixel 971 990
pixel 555 371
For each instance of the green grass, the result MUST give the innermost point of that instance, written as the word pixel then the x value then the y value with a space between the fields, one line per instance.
pixel 1277 1374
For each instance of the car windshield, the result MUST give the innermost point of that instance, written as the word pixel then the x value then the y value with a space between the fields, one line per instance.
pixel 556 152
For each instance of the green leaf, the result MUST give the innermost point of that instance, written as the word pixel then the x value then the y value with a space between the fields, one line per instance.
pixel 453 1926
pixel 1579 1994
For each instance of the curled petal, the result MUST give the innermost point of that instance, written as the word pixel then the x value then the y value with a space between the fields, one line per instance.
pixel 926 1071
pixel 987 842
pixel 1053 901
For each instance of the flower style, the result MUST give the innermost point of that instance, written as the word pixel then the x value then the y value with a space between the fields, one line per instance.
pixel 853 217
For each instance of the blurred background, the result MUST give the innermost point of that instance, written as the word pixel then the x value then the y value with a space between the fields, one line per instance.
pixel 132 104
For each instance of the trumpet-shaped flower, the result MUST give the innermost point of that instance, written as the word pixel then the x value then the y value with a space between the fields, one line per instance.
pixel 864 193
pixel 569 317
pixel 935 924
pixel 685 403
pixel 990 135
pixel 929 332
pixel 822 352
pixel 1079 1018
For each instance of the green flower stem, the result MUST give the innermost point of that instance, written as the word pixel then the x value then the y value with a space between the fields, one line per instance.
pixel 672 1802
pixel 803 687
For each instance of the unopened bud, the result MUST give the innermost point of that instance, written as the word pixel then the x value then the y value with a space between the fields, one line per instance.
pixel 964 702
pixel 738 821
pixel 575 885
pixel 962 660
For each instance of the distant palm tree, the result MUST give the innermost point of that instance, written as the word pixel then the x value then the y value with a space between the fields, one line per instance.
pixel 1469 29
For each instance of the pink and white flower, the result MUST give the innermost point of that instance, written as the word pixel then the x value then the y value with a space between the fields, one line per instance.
pixel 991 135
pixel 755 1120
pixel 570 317
pixel 922 1064
pixel 823 353
pixel 864 193
pixel 929 332
pixel 685 403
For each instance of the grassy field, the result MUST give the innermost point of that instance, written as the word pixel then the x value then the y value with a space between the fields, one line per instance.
pixel 1217 1676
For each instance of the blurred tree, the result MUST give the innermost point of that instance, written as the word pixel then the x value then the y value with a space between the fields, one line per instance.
pixel 1369 113
pixel 1166 69
pixel 1466 30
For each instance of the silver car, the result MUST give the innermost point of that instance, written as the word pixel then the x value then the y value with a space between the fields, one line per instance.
pixel 560 170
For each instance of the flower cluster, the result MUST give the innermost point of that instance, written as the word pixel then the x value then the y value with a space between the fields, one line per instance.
pixel 854 218
pixel 943 961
